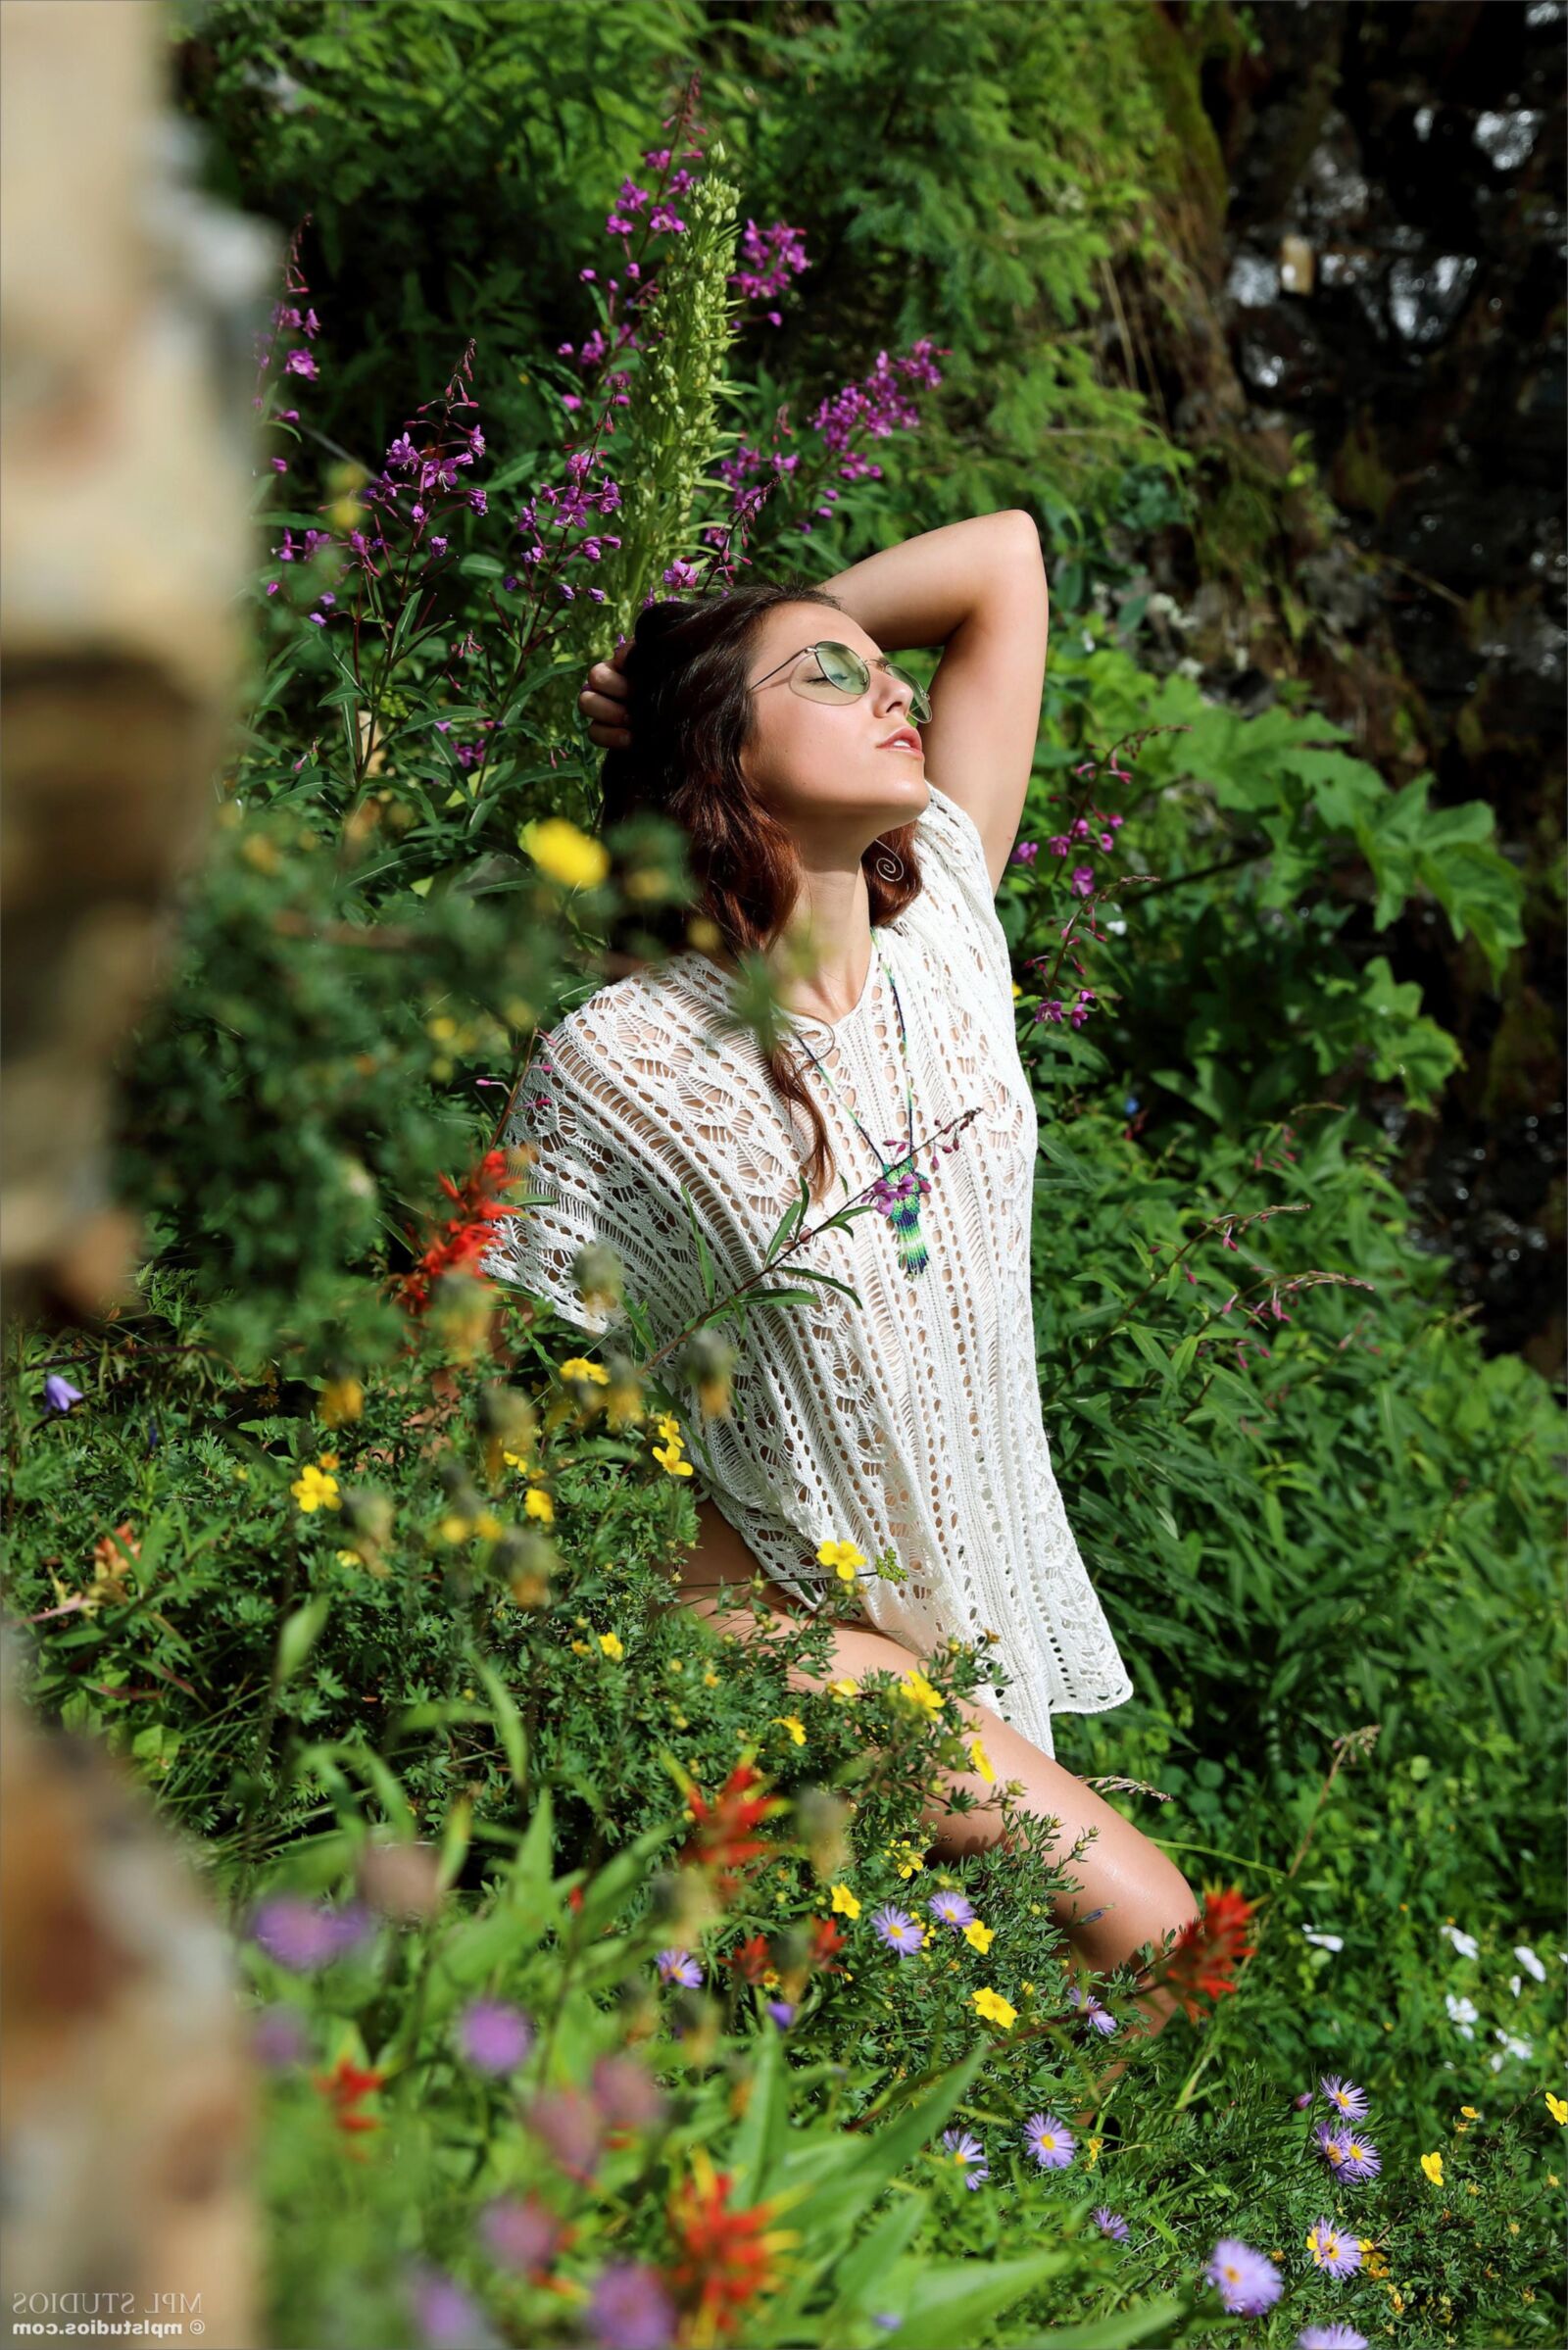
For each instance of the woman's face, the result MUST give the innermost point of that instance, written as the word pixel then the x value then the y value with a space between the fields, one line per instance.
pixel 828 769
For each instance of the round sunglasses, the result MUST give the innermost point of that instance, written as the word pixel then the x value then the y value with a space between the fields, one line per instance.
pixel 843 676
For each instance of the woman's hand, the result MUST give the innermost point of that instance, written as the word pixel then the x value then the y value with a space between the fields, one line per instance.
pixel 604 700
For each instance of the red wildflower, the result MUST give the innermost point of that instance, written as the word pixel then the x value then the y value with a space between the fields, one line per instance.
pixel 826 1944
pixel 468 1234
pixel 724 1838
pixel 750 1959
pixel 343 2087
pixel 725 2258
pixel 1202 1963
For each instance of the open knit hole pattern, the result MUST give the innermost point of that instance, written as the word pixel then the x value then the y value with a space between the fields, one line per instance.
pixel 913 1419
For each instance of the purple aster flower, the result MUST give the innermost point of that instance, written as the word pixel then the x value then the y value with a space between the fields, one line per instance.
pixel 1050 2141
pixel 1332 2251
pixel 1360 2159
pixel 1110 2223
pixel 1248 2281
pixel 1338 2336
pixel 782 2012
pixel 58 1394
pixel 1350 2101
pixel 951 1909
pixel 519 2232
pixel 306 1934
pixel 630 2309
pixel 278 2037
pixel 493 2035
pixel 1090 2010
pixel 448 2318
pixel 1301 2102
pixel 898 1930
pixel 679 1966
pixel 968 2153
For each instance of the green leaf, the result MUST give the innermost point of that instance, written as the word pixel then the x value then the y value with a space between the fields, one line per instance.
pixel 299 1635
pixel 953 2303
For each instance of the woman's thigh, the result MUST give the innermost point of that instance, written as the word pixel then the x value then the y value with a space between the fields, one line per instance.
pixel 1126 1893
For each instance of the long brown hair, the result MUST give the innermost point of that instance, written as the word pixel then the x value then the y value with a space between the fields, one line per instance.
pixel 689 717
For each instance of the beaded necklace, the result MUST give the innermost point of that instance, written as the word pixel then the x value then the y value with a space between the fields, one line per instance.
pixel 898 1193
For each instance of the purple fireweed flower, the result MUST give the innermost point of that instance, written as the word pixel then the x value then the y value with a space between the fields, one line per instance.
pixel 1247 2281
pixel 679 1966
pixel 1350 2101
pixel 630 2309
pixel 301 1935
pixel 1050 2141
pixel 1338 2336
pixel 568 2123
pixel 968 2153
pixel 951 1909
pixel 898 1930
pixel 1332 2251
pixel 449 2319
pixel 493 2035
pixel 1110 2223
pixel 58 1394
pixel 278 2037
pixel 626 2093
pixel 519 2232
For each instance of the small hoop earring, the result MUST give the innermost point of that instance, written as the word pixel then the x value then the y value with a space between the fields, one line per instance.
pixel 889 872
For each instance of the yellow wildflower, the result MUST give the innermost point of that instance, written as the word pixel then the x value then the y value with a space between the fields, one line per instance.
pixel 455 1527
pixel 313 1490
pixel 580 1367
pixel 581 1648
pixel 994 2009
pixel 845 1903
pixel 1470 2113
pixel 610 1642
pixel 979 1938
pixel 489 1525
pixel 982 1761
pixel 341 1400
pixel 1092 2156
pixel 668 1459
pixel 566 855
pixel 847 1687
pixel 1557 2107
pixel 919 1692
pixel 326 1460
pixel 842 1557
pixel 536 1503
pixel 796 1730
pixel 1432 2164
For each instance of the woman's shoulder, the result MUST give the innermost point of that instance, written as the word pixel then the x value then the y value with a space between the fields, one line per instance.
pixel 657 1007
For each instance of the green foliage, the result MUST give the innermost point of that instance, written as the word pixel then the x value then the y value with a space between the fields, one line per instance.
pixel 343 1552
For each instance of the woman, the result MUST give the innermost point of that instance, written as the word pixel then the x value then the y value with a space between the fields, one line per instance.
pixel 852 831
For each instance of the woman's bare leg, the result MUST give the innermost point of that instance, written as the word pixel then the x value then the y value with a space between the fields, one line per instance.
pixel 1131 1893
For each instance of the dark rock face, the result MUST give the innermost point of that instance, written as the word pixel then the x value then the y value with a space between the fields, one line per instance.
pixel 1393 288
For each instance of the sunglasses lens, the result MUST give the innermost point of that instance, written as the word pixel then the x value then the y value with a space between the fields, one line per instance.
pixel 920 700
pixel 840 674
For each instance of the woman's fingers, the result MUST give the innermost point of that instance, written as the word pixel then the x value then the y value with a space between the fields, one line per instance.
pixel 604 704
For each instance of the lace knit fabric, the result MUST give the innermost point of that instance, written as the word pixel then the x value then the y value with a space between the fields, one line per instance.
pixel 912 1418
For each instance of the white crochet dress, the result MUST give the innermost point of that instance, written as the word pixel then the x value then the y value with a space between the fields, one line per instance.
pixel 913 1419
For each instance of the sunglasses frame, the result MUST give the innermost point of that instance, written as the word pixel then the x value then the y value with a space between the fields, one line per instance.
pixel 919 694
